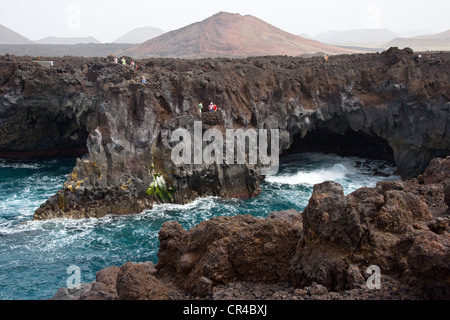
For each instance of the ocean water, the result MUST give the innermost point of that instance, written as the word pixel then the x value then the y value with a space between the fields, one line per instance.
pixel 35 255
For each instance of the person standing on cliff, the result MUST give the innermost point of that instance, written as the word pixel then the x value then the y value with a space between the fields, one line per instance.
pixel 124 61
pixel 418 58
pixel 200 107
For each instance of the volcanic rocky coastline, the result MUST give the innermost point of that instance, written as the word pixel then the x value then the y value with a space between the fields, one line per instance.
pixel 392 106
pixel 322 253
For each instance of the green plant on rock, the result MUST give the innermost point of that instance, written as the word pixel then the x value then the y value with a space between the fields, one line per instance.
pixel 158 189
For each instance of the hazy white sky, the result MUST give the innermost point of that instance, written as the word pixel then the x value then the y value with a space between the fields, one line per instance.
pixel 108 20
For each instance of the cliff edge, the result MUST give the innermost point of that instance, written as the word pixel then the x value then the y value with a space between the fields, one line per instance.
pixel 391 105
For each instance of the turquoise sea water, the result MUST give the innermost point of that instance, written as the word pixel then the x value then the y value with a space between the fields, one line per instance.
pixel 35 255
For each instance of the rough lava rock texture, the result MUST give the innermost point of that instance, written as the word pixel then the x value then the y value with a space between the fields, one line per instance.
pixel 222 250
pixel 321 253
pixel 387 105
pixel 136 281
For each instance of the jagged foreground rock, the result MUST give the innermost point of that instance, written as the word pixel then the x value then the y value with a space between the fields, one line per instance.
pixel 323 253
pixel 389 106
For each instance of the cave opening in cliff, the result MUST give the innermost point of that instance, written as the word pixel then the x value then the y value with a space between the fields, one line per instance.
pixel 348 144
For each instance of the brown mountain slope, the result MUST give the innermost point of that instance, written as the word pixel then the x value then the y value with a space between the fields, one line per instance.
pixel 230 35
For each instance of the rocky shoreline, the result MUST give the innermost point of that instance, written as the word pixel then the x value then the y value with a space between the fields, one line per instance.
pixel 321 253
pixel 390 105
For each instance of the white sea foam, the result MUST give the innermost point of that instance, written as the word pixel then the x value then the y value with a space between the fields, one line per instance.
pixel 334 173
pixel 19 165
pixel 52 245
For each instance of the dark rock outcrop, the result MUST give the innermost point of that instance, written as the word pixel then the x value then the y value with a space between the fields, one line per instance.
pixel 221 250
pixel 322 253
pixel 370 226
pixel 137 282
pixel 388 104
pixel 103 288
pixel 44 112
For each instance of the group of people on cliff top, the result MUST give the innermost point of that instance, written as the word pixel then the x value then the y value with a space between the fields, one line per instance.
pixel 212 107
pixel 123 61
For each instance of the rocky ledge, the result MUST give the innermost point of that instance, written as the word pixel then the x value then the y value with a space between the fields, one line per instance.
pixel 400 228
pixel 389 105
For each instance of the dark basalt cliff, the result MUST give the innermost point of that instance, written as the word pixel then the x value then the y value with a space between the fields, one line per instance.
pixel 389 105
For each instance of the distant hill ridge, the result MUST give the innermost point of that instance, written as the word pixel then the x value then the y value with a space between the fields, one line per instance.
pixel 383 39
pixel 438 41
pixel 222 35
pixel 140 35
pixel 356 36
pixel 442 35
pixel 67 41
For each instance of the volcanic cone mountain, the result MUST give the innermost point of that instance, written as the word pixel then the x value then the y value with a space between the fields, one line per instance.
pixel 8 36
pixel 230 35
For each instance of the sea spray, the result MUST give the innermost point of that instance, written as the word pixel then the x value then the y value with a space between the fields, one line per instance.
pixel 35 255
pixel 311 177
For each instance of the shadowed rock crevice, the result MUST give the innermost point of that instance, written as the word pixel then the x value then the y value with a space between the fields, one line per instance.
pixel 347 144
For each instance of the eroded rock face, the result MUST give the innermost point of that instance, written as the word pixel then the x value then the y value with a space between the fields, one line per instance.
pixel 327 248
pixel 222 250
pixel 437 171
pixel 391 100
pixel 371 226
pixel 136 281
pixel 389 226
pixel 428 261
pixel 332 243
pixel 44 113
